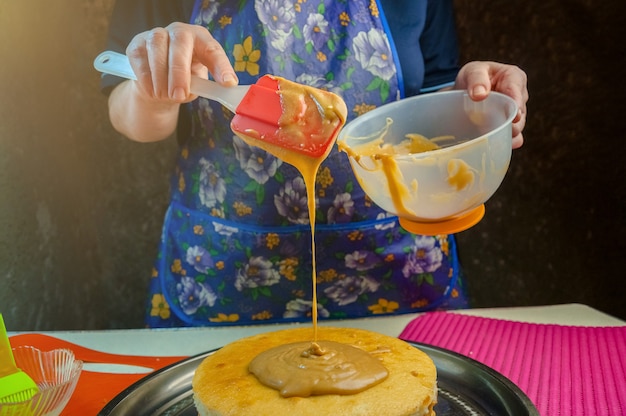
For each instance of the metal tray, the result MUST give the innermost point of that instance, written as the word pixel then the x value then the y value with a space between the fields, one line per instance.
pixel 466 387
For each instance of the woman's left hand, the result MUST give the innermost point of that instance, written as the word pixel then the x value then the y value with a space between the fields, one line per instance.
pixel 481 77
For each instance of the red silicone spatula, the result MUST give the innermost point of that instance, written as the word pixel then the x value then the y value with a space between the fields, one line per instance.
pixel 267 111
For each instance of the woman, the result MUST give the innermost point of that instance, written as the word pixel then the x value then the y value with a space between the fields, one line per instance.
pixel 236 246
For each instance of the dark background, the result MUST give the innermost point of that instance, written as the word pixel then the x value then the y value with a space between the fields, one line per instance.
pixel 81 207
pixel 554 232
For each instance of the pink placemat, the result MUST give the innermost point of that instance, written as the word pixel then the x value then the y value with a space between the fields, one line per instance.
pixel 564 370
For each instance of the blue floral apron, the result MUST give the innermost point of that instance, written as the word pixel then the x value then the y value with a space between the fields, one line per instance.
pixel 236 243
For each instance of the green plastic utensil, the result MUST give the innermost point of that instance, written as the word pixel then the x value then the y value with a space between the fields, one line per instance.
pixel 15 385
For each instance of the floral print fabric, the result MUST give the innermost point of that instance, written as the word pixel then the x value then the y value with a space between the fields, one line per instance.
pixel 236 243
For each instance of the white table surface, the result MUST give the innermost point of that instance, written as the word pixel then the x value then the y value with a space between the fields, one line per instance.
pixel 192 341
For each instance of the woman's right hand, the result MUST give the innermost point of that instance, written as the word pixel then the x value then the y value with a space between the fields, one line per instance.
pixel 164 59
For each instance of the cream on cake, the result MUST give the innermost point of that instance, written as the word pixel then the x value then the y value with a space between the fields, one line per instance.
pixel 223 384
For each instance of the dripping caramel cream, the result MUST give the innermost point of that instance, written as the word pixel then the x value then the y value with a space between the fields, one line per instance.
pixel 322 364
pixel 310 117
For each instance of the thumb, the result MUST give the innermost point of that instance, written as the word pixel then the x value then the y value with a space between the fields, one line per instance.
pixel 474 77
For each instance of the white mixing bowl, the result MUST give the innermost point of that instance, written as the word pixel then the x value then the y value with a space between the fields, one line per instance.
pixel 442 190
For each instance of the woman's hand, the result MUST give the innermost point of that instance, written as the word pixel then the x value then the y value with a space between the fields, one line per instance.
pixel 163 60
pixel 481 77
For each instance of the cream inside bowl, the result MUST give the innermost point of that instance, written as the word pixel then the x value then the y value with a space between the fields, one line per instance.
pixel 432 159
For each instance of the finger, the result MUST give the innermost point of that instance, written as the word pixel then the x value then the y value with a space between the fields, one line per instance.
pixel 517 141
pixel 519 123
pixel 137 54
pixel 210 53
pixel 193 50
pixel 157 45
pixel 477 80
pixel 512 81
pixel 517 129
pixel 148 58
pixel 181 51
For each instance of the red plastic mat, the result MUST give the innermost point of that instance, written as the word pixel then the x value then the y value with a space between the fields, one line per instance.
pixel 564 370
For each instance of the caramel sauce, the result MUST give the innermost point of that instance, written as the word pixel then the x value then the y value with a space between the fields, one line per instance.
pixel 460 174
pixel 325 367
pixel 311 117
pixel 381 156
pixel 415 143
pixel 308 124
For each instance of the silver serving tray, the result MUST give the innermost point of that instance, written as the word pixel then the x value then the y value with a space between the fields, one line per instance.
pixel 466 387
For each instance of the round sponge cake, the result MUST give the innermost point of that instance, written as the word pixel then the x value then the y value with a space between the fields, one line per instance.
pixel 223 386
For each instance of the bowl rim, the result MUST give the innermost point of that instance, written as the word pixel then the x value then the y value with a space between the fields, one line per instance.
pixel 456 147
pixel 75 369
